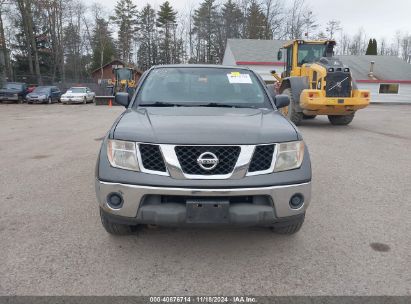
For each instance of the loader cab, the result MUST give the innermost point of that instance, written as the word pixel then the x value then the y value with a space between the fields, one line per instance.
pixel 300 52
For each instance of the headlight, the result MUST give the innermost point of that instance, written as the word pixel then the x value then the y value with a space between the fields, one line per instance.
pixel 122 154
pixel 15 95
pixel 289 156
pixel 42 97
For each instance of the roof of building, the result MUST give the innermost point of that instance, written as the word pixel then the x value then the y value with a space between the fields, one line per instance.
pixel 385 67
pixel 250 51
pixel 264 52
pixel 113 61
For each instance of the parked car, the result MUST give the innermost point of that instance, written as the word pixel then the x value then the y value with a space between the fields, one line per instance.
pixel 13 91
pixel 203 145
pixel 44 94
pixel 78 95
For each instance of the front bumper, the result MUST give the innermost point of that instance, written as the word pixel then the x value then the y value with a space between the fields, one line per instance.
pixel 9 98
pixel 72 100
pixel 143 204
pixel 37 100
pixel 321 105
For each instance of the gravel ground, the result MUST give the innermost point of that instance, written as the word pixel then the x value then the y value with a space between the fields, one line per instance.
pixel 355 241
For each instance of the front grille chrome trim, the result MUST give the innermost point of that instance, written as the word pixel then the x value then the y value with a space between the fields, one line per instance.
pixel 175 170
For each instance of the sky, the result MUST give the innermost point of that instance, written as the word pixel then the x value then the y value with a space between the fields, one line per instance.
pixel 378 18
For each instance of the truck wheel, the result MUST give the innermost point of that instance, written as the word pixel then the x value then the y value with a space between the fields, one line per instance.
pixel 114 228
pixel 289 227
pixel 340 120
pixel 290 112
pixel 309 116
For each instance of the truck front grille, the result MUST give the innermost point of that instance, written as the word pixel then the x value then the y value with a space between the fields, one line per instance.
pixel 188 156
pixel 338 84
pixel 152 158
pixel 262 158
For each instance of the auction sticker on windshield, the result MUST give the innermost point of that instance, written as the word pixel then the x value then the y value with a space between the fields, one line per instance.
pixel 237 77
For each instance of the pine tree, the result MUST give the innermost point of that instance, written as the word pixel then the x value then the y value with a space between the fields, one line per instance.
pixel 232 19
pixel 103 46
pixel 147 52
pixel 372 47
pixel 166 22
pixel 206 22
pixel 125 18
pixel 255 22
pixel 369 48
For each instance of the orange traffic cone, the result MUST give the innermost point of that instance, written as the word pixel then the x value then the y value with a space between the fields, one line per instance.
pixel 110 103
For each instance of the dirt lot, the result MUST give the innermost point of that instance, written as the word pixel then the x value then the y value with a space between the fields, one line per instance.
pixel 356 239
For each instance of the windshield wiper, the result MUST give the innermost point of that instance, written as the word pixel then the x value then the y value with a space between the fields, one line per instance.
pixel 223 105
pixel 160 104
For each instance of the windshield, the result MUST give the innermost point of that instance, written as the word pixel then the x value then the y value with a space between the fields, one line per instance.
pixel 76 90
pixel 41 90
pixel 308 53
pixel 12 86
pixel 202 86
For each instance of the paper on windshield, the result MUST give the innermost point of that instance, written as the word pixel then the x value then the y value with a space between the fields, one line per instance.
pixel 237 77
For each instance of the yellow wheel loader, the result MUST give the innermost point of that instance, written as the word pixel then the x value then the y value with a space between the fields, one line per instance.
pixel 318 83
pixel 124 80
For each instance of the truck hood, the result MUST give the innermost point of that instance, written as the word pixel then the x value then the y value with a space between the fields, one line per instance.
pixel 200 125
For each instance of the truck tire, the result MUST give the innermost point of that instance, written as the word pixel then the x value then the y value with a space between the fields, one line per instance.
pixel 289 227
pixel 340 120
pixel 114 228
pixel 292 114
pixel 309 116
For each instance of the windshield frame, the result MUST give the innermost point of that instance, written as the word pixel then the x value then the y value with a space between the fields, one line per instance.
pixel 267 104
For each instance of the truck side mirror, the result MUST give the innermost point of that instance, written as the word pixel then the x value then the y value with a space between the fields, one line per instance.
pixel 279 55
pixel 282 101
pixel 122 98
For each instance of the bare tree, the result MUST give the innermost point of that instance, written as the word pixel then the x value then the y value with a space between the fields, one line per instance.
pixel 273 10
pixel 333 26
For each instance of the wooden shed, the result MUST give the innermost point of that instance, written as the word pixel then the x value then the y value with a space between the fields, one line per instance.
pixel 105 73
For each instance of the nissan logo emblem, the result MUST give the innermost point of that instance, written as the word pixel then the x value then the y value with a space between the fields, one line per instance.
pixel 207 161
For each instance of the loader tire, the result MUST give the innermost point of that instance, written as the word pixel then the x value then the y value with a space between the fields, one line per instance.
pixel 341 120
pixel 309 116
pixel 290 112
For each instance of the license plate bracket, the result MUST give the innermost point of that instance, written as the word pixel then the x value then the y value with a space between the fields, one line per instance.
pixel 207 211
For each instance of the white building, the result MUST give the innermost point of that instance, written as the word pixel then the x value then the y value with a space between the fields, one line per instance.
pixel 391 80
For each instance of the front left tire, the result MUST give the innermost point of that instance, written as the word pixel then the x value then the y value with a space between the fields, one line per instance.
pixel 291 111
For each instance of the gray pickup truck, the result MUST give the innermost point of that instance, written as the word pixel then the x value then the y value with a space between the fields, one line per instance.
pixel 202 145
